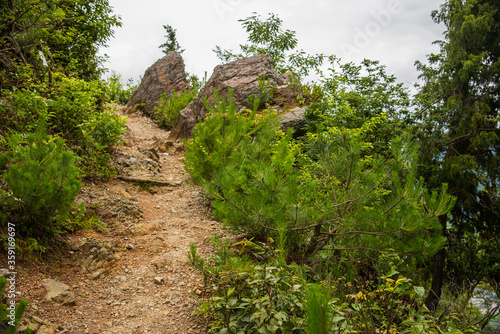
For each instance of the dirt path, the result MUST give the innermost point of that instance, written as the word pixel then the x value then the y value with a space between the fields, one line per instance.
pixel 132 278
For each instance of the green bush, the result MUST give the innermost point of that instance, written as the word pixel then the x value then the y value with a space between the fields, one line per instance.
pixel 246 165
pixel 99 135
pixel 391 304
pixel 264 95
pixel 168 109
pixel 42 180
pixel 19 111
pixel 76 113
pixel 332 203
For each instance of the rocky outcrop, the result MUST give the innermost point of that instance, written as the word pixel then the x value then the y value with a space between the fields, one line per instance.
pixel 241 75
pixel 164 76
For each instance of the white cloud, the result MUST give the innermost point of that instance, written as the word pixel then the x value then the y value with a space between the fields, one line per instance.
pixel 396 32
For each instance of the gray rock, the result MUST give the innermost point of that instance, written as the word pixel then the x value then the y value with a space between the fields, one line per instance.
pixel 164 76
pixel 4 272
pixel 111 207
pixel 293 119
pixel 164 146
pixel 58 292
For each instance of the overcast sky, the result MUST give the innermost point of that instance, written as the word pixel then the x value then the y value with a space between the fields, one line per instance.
pixel 395 32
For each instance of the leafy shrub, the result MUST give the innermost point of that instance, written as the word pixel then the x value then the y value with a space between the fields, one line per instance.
pixel 252 293
pixel 168 109
pixel 392 304
pixel 43 182
pixel 5 320
pixel 19 111
pixel 248 297
pixel 100 134
pixel 76 113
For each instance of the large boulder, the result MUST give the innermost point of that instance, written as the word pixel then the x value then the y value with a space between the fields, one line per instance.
pixel 242 76
pixel 164 76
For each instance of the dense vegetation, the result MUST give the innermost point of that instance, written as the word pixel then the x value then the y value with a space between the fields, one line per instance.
pixel 382 218
pixel 56 129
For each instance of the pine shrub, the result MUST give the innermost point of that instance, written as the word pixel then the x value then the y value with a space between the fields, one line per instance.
pixel 246 165
pixel 43 181
pixel 332 200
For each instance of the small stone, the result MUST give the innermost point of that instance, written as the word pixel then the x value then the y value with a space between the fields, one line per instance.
pixel 129 247
pixel 4 272
pixel 159 280
pixel 96 274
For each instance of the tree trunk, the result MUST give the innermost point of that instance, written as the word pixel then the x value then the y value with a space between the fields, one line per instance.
pixel 438 264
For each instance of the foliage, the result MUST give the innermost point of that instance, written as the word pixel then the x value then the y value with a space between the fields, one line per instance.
pixel 319 317
pixel 42 37
pixel 171 44
pixel 116 92
pixel 81 218
pixel 5 319
pixel 167 110
pixel 43 182
pixel 248 297
pixel 341 204
pixel 20 110
pixel 196 82
pixel 351 95
pixel 269 37
pixel 251 292
pixel 76 113
pixel 457 126
pixel 390 304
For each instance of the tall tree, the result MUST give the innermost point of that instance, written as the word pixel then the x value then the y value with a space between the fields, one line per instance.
pixel 458 126
pixel 38 37
pixel 268 37
pixel 171 44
